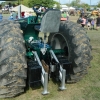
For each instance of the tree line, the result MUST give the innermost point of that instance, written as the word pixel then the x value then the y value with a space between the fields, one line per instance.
pixel 30 3
pixel 79 4
pixel 49 3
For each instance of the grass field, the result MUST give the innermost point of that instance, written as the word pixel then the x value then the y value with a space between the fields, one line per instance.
pixel 87 89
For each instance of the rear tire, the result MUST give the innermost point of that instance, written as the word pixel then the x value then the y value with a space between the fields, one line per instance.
pixel 13 65
pixel 73 38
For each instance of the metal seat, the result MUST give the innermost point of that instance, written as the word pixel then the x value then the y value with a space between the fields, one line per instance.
pixel 50 22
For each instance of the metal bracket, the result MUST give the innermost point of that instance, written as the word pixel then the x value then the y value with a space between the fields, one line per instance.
pixel 44 80
pixel 44 75
pixel 62 72
pixel 62 79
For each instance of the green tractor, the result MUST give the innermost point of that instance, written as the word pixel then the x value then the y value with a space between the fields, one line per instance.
pixel 37 48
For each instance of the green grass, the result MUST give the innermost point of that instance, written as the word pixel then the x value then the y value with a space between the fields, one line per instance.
pixel 87 89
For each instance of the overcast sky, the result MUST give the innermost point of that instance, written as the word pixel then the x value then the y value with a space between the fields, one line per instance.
pixel 93 2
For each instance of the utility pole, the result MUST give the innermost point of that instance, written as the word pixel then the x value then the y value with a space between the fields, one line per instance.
pixel 90 2
pixel 59 1
pixel 69 2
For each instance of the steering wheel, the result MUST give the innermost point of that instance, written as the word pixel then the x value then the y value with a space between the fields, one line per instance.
pixel 39 9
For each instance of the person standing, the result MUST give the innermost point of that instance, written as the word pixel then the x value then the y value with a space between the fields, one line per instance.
pixel 83 21
pixel 82 12
pixel 98 22
pixel 26 14
pixel 67 14
pixel 1 16
pixel 88 25
pixel 14 14
pixel 11 16
pixel 64 15
pixel 22 14
pixel 92 24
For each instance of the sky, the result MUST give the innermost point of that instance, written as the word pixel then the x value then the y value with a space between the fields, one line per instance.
pixel 93 2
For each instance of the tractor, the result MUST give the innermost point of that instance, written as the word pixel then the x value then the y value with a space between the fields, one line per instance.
pixel 37 48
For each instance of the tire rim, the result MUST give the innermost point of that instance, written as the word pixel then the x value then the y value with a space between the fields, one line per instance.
pixel 59 42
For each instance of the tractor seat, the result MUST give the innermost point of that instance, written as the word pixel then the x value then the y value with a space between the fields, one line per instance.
pixel 37 27
pixel 50 22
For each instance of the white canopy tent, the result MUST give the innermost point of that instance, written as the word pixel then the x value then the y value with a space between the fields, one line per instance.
pixel 71 8
pixel 64 8
pixel 23 8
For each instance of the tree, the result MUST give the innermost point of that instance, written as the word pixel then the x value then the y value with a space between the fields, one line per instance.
pixel 98 4
pixel 75 3
pixel 57 4
pixel 85 6
pixel 46 3
pixel 30 3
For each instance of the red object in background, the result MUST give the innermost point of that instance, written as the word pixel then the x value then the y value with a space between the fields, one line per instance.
pixel 16 17
pixel 22 14
pixel 63 19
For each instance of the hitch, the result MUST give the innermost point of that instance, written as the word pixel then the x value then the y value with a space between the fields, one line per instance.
pixel 62 72
pixel 44 75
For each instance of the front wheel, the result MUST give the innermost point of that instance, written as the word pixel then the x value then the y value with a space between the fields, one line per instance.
pixel 72 38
